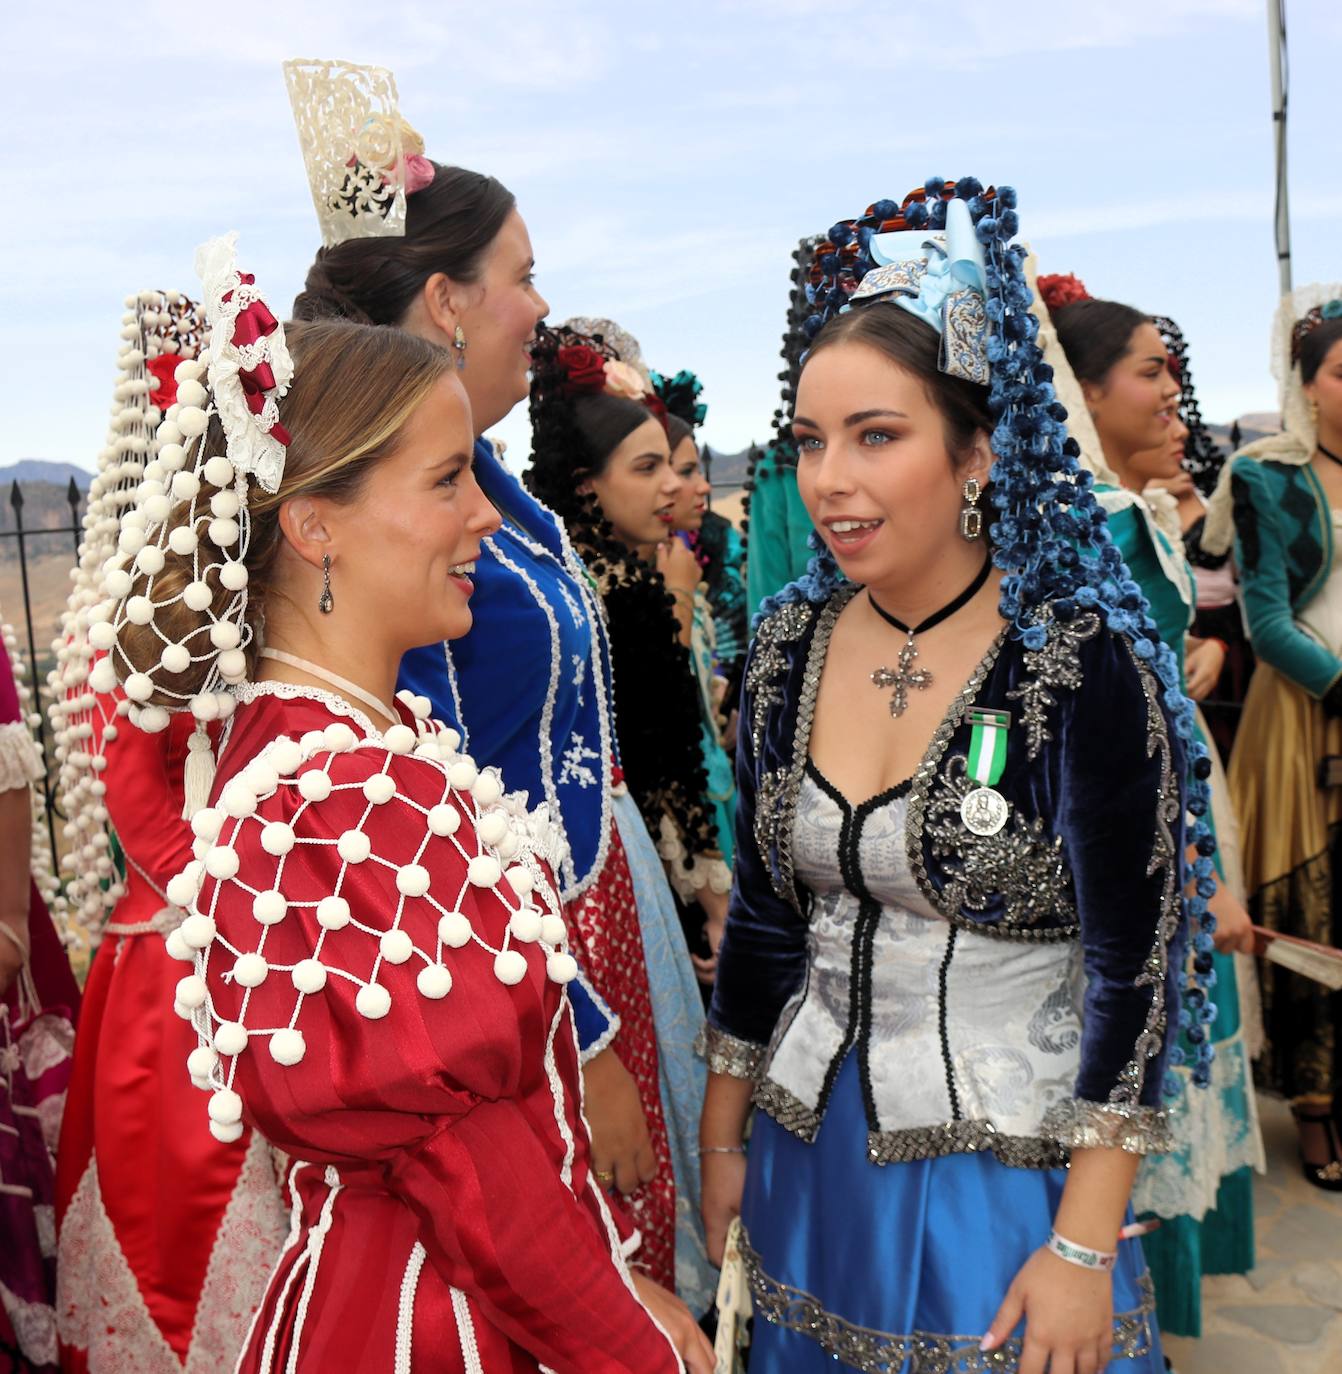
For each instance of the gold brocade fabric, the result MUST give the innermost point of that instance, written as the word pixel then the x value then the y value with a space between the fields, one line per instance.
pixel 1288 830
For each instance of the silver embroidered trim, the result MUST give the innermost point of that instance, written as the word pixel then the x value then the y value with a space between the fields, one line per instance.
pixel 918 1352
pixel 786 1108
pixel 768 662
pixel 1022 863
pixel 1164 858
pixel 1056 665
pixel 724 1053
pixel 926 775
pixel 1081 1125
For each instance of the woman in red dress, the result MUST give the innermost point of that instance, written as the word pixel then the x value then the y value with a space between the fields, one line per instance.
pixel 377 950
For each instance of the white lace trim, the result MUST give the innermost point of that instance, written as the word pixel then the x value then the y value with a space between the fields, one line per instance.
pixel 247 692
pixel 470 1350
pixel 405 1312
pixel 99 1304
pixel 1215 1133
pixel 19 764
pixel 34 1325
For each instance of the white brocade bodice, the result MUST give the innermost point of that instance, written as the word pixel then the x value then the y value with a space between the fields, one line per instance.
pixel 964 1040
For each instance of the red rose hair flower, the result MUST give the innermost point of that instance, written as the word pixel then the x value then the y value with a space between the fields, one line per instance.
pixel 1059 289
pixel 584 367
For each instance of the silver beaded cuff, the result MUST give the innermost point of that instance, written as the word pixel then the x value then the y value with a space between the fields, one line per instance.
pixel 724 1053
pixel 1080 1125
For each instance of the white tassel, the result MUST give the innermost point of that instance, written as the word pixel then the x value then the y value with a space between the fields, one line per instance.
pixel 198 776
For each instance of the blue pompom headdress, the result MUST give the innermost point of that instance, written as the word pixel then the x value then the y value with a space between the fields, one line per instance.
pixel 1050 538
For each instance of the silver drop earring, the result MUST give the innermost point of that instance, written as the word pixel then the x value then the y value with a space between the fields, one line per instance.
pixel 971 517
pixel 325 603
pixel 459 343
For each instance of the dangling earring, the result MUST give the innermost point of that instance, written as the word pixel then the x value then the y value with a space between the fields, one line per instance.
pixel 1313 412
pixel 325 604
pixel 971 518
pixel 459 343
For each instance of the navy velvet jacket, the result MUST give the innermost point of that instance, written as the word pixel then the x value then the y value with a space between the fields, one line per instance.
pixel 1092 854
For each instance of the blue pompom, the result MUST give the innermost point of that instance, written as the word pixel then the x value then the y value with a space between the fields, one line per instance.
pixel 841 234
pixel 916 215
pixel 885 209
pixel 968 187
pixel 934 186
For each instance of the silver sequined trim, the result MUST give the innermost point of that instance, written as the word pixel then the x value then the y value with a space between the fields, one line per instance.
pixel 768 662
pixel 724 1053
pixel 1057 664
pixel 1083 1125
pixel 919 1352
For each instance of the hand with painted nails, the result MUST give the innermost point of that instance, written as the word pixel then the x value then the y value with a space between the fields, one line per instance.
pixel 1068 1312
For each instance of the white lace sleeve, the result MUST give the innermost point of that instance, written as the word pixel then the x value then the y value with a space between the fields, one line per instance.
pixel 20 765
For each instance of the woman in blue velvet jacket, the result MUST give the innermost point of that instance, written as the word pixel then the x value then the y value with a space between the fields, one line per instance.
pixel 952 957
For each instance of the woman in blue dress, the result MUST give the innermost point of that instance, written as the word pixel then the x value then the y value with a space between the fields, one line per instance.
pixel 967 780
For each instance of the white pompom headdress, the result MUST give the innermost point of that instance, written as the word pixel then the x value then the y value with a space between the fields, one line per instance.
pixel 239 379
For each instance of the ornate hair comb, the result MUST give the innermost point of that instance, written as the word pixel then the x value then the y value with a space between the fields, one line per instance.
pixel 362 158
pixel 1309 322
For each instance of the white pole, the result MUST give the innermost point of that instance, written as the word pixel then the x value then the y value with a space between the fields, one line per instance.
pixel 1276 35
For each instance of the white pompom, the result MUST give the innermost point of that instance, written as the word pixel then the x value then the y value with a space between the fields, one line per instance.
pixel 201 1062
pixel 288 1047
pixel 339 737
pixel 250 970
pixel 420 707
pixel 354 846
pixel 102 636
pixel 285 756
pixel 224 634
pixel 396 946
pixel 510 967
pixel 454 929
pixel 225 1106
pixel 231 1037
pixel 309 976
pixel 232 665
pixel 222 862
pixel 488 789
pixel 525 924
pixel 553 929
pixel 462 775
pixel 192 420
pixel 269 906
pixel 238 800
pixel 150 560
pixel 175 658
pixel 207 823
pixel 399 739
pixel 197 930
pixel 139 687
pixel 379 789
pixel 182 540
pixel 191 991
pixel 233 575
pixel 225 505
pixel 117 582
pixel 181 890
pixel 197 595
pixel 156 510
pixel 219 471
pixel 191 393
pixel 434 981
pixel 314 785
pixel 185 485
pixel 226 1134
pixel 277 838
pixel 412 880
pixel 153 720
pixel 139 610
pixel 520 881
pixel 484 870
pixel 223 533
pixel 333 913
pixel 492 827
pixel 178 948
pixel 205 706
pixel 171 456
pixel 561 967
pixel 444 819
pixel 373 1001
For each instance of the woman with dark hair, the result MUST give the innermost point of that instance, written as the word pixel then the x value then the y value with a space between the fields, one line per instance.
pixel 1282 496
pixel 601 457
pixel 458 271
pixel 1202 1190
pixel 964 772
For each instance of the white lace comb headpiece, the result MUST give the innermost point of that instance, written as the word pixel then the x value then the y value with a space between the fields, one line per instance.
pixel 362 158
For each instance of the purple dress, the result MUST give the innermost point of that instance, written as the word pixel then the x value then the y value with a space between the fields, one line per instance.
pixel 37 1014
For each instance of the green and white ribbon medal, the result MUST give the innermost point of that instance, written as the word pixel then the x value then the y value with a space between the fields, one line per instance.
pixel 984 809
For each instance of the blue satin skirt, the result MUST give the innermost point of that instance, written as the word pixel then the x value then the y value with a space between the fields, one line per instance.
pixel 900 1268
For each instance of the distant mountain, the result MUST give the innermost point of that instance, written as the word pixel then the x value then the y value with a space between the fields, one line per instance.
pixel 727 469
pixel 39 470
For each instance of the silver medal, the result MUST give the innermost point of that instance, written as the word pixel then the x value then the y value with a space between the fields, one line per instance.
pixel 984 811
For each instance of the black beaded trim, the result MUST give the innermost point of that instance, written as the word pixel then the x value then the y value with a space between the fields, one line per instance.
pixel 943 973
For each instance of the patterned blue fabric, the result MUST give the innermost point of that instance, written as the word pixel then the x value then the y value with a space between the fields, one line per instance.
pixel 678 1015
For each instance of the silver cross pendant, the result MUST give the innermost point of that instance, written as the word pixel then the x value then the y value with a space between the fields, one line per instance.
pixel 902 678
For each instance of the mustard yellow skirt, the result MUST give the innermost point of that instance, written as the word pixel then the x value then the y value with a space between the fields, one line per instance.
pixel 1289 837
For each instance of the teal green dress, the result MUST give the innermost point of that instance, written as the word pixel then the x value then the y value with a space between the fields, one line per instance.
pixel 1221 1241
pixel 778 551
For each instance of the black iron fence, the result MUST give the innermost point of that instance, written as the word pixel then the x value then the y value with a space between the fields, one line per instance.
pixel 30 631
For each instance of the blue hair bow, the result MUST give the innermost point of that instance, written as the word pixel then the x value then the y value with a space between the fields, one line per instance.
pixel 942 279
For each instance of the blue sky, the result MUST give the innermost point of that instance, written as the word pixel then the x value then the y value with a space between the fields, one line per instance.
pixel 666 158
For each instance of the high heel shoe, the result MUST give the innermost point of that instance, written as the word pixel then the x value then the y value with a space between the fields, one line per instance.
pixel 1326 1176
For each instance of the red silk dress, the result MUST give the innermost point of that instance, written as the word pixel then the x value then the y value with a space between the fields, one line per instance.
pixel 379 1001
pixel 165 1233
